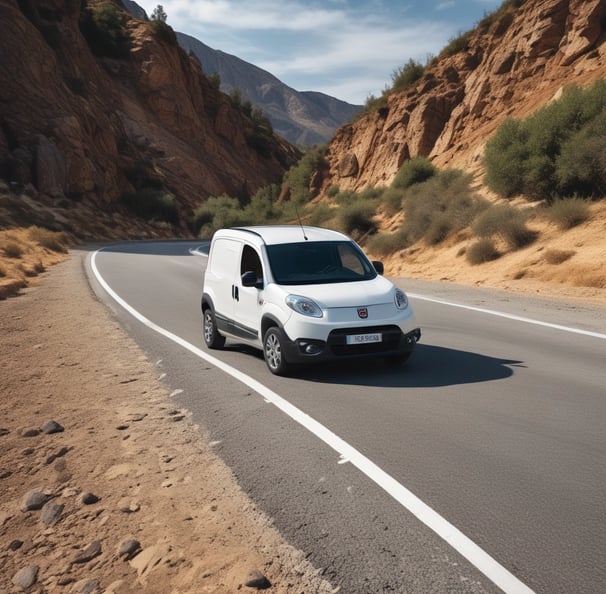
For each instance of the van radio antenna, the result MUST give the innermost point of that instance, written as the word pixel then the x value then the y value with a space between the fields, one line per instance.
pixel 300 223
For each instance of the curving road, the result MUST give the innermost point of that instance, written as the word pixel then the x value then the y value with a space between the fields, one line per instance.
pixel 478 467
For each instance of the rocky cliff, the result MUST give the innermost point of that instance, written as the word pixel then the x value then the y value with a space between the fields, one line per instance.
pixel 515 60
pixel 97 104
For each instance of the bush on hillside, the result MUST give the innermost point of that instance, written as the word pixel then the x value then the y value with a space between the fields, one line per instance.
pixel 568 213
pixel 357 219
pixel 405 76
pixel 414 171
pixel 483 250
pixel 218 212
pixel 506 222
pixel 104 28
pixel 440 206
pixel 557 152
pixel 298 177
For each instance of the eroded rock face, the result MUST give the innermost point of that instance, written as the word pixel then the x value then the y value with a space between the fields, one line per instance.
pixel 91 128
pixel 517 63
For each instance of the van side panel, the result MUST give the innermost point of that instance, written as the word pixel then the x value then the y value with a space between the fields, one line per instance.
pixel 219 280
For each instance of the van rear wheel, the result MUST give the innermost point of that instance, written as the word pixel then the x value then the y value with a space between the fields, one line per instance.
pixel 212 338
pixel 273 351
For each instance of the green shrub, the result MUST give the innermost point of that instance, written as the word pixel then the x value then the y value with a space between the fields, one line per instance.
pixel 263 207
pixel 391 199
pixel 457 44
pixel 506 222
pixel 215 80
pixel 440 206
pixel 413 171
pixel 332 191
pixel 404 76
pixel 557 152
pixel 218 212
pixel 373 103
pixel 384 244
pixel 164 32
pixel 567 213
pixel 298 177
pixel 152 204
pixel 481 251
pixel 357 219
pixel 104 28
pixel 320 215
pixel 346 197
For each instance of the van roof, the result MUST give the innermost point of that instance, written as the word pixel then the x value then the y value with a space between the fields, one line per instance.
pixel 276 234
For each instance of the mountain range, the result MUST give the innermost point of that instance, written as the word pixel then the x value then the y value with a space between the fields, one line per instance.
pixel 304 118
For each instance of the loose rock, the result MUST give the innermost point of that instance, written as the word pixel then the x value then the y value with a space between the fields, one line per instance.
pixel 257 580
pixel 51 513
pixel 34 500
pixel 89 498
pixel 86 586
pixel 26 577
pixel 129 548
pixel 90 552
pixel 51 426
pixel 32 432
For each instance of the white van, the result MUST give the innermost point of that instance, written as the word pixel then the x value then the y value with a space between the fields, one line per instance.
pixel 302 295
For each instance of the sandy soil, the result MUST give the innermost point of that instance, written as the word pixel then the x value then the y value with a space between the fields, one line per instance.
pixel 134 499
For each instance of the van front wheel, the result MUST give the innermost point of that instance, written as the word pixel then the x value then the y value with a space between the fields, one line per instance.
pixel 273 351
pixel 212 338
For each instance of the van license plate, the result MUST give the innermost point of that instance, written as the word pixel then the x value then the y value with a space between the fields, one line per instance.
pixel 363 338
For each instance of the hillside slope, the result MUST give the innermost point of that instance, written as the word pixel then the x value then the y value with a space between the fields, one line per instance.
pixel 514 62
pixel 305 118
pixel 97 105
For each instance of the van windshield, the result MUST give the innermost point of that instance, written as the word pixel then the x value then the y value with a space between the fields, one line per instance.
pixel 318 262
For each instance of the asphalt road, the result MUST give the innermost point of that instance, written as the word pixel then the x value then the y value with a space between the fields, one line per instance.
pixel 480 466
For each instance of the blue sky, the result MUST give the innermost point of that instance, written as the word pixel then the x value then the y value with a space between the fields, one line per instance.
pixel 344 48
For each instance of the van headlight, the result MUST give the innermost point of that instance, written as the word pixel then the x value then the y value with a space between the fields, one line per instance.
pixel 304 306
pixel 401 299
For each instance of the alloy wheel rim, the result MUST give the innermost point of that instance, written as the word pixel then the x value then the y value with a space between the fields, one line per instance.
pixel 272 351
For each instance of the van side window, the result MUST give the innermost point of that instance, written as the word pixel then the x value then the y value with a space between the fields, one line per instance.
pixel 251 262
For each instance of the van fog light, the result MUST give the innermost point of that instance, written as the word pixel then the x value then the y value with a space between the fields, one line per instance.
pixel 310 348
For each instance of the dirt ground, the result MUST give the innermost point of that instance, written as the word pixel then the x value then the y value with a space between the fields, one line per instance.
pixel 122 493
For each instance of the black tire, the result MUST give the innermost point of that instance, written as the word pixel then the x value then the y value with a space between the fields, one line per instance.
pixel 273 351
pixel 212 338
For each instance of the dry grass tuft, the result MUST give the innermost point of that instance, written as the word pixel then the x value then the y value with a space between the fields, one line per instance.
pixel 558 256
pixel 51 240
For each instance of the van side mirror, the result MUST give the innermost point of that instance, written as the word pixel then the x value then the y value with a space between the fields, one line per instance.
pixel 378 266
pixel 249 279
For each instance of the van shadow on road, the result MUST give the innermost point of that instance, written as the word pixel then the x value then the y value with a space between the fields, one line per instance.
pixel 428 367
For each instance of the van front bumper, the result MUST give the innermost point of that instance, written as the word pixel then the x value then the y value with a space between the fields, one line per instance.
pixel 393 343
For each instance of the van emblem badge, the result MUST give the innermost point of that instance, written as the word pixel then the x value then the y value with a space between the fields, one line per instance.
pixel 363 312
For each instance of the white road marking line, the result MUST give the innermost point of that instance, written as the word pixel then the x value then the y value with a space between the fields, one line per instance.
pixel 442 527
pixel 501 314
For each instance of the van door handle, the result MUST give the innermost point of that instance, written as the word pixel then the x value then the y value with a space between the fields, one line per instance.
pixel 234 293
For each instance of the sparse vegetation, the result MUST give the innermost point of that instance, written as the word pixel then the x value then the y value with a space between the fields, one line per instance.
pixel 51 240
pixel 297 178
pixel 405 76
pixel 414 171
pixel 12 250
pixel 483 250
pixel 558 152
pixel 568 213
pixel 104 28
pixel 457 44
pixel 558 256
pixel 505 222
pixel 357 219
